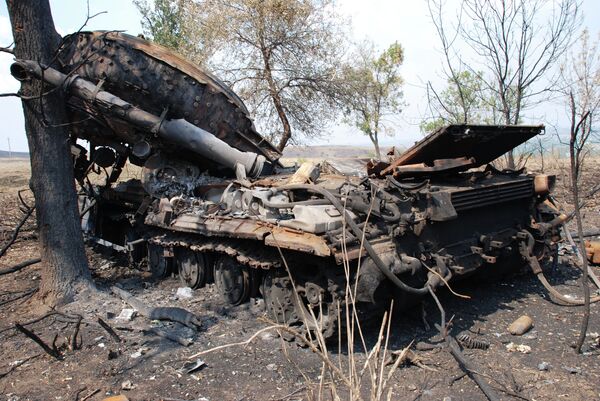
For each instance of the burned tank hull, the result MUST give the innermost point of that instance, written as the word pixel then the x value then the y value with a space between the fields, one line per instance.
pixel 214 203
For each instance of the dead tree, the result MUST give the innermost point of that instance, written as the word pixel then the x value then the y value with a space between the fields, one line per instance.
pixel 65 267
pixel 514 44
pixel 582 96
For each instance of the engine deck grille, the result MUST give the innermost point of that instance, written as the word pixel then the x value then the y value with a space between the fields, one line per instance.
pixel 492 194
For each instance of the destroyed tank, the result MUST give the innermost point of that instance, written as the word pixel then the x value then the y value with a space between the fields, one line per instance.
pixel 214 203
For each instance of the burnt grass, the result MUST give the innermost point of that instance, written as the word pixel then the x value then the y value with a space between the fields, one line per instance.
pixel 146 367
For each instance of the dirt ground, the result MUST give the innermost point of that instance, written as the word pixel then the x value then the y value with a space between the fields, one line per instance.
pixel 144 366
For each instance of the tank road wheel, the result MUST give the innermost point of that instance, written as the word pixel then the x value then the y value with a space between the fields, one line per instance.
pixel 311 308
pixel 232 280
pixel 192 267
pixel 278 293
pixel 159 265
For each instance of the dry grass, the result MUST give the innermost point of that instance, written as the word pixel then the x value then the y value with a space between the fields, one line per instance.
pixel 14 175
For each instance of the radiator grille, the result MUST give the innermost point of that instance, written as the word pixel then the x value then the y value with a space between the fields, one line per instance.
pixel 492 194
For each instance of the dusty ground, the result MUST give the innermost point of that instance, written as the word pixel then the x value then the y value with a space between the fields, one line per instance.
pixel 146 367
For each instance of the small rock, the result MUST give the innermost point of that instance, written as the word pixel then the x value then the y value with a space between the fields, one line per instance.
pixel 512 347
pixel 139 353
pixel 543 366
pixel 271 367
pixel 184 292
pixel 127 314
pixel 520 326
pixel 113 354
pixel 572 370
pixel 267 336
pixel 447 399
pixel 127 385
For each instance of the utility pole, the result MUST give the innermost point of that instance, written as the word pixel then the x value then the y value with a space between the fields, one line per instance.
pixel 9 150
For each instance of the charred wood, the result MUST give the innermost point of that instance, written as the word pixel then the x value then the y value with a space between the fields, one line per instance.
pixel 20 266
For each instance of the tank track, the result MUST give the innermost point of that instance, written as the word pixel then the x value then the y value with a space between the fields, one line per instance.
pixel 319 284
pixel 244 252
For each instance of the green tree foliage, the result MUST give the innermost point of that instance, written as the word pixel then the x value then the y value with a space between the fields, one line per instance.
pixel 280 56
pixel 173 24
pixel 462 102
pixel 374 90
pixel 162 21
pixel 466 100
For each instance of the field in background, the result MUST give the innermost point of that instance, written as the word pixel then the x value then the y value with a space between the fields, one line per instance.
pixel 14 174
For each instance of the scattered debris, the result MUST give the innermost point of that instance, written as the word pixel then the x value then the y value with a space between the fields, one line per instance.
pixel 184 292
pixel 52 351
pixel 466 341
pixel 179 315
pixel 512 347
pixel 15 364
pixel 127 385
pixel 91 394
pixel 520 326
pixel 170 335
pixel 109 330
pixel 193 366
pixel 543 366
pixel 408 357
pixel 20 266
pixel 127 315
pixel 139 352
pixel 572 370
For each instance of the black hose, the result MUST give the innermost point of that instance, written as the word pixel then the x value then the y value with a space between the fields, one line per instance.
pixel 534 264
pixel 405 185
pixel 359 234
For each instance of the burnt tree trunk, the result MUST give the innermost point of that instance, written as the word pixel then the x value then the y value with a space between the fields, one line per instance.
pixel 65 267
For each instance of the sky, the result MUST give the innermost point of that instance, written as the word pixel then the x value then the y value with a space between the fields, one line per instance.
pixel 382 21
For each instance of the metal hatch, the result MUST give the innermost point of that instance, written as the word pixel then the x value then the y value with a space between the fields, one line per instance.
pixel 479 143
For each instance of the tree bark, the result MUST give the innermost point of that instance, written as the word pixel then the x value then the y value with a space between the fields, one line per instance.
pixel 574 156
pixel 375 141
pixel 65 267
pixel 276 98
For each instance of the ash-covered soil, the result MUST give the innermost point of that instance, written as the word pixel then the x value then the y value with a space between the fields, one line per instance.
pixel 144 366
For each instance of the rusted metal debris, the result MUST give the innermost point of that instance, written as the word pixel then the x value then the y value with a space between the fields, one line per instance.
pixel 480 144
pixel 214 201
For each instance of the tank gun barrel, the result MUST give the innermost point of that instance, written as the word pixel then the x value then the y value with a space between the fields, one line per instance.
pixel 177 131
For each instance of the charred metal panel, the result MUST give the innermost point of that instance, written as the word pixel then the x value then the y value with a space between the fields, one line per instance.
pixel 483 143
